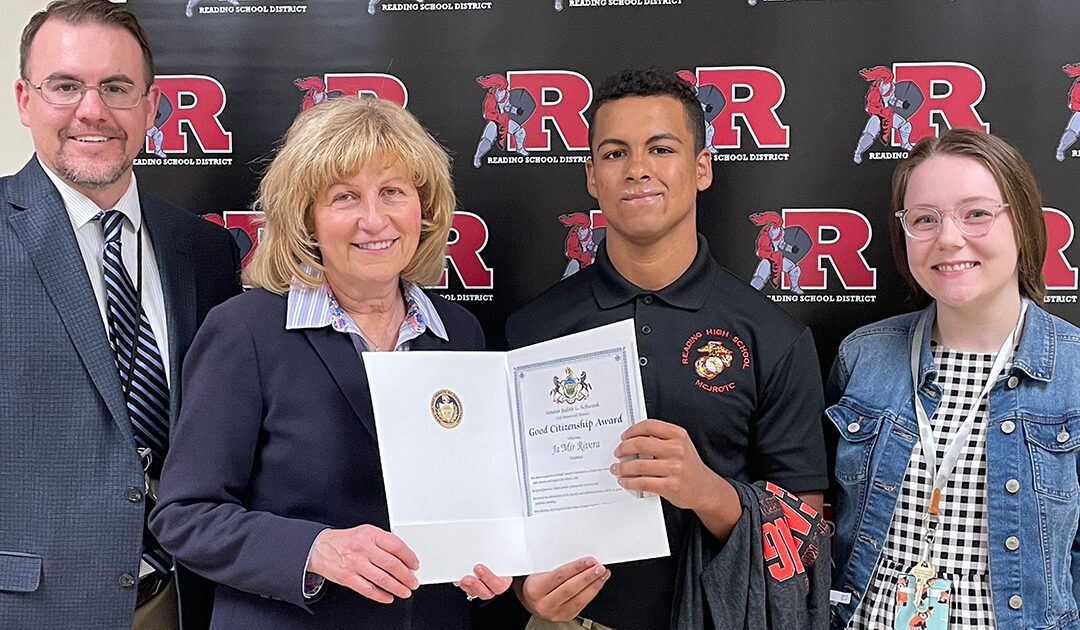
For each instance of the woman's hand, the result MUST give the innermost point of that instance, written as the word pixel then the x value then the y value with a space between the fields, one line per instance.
pixel 483 584
pixel 371 561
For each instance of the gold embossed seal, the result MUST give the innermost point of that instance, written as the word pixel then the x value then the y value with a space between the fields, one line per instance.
pixel 446 408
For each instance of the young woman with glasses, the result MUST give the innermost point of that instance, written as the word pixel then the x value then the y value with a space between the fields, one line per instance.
pixel 955 478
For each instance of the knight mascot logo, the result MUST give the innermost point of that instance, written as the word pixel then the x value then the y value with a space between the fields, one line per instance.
pixel 779 250
pixel 505 111
pixel 318 89
pixel 1072 128
pixel 798 250
pixel 154 133
pixel 712 101
pixel 315 92
pixel 194 3
pixel 889 105
pixel 908 101
pixel 582 241
pixel 374 3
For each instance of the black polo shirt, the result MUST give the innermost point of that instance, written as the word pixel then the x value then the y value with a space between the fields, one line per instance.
pixel 718 359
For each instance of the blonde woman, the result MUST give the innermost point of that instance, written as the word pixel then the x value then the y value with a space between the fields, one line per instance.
pixel 273 486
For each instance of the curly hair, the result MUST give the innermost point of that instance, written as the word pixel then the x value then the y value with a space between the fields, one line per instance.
pixel 651 82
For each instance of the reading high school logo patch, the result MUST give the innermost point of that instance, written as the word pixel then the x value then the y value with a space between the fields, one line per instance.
pixel 714 354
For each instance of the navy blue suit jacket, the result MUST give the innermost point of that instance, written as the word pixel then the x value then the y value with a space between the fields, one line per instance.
pixel 67 529
pixel 276 441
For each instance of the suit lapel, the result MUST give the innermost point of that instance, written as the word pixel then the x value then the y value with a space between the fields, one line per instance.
pixel 172 251
pixel 42 225
pixel 346 368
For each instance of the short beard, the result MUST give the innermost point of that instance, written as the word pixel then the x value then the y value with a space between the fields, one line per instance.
pixel 91 178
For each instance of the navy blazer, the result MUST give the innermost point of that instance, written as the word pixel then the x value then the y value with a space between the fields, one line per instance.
pixel 276 442
pixel 70 537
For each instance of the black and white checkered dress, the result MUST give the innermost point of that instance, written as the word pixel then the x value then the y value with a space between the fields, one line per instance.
pixel 960 551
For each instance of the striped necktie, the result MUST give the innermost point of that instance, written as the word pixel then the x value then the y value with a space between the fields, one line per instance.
pixel 138 360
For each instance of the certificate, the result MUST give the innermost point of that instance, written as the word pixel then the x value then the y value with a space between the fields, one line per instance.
pixel 502 458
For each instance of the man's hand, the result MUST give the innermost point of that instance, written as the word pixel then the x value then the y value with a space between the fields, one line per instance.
pixel 371 561
pixel 483 584
pixel 676 472
pixel 560 595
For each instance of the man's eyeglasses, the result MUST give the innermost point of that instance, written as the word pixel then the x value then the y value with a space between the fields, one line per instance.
pixel 115 94
pixel 923 223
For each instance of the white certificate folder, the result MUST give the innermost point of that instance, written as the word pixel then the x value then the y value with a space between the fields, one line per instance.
pixel 502 458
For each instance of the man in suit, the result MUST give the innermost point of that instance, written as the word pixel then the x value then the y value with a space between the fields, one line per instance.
pixel 93 273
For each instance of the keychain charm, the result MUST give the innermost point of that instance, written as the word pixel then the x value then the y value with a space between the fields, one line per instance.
pixel 922 600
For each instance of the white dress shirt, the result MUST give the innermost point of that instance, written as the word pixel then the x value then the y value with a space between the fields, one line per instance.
pixel 83 213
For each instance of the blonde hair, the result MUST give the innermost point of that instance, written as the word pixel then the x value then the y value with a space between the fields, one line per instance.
pixel 336 139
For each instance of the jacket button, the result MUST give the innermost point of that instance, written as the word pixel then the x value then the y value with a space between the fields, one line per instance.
pixel 853 427
pixel 127 580
pixel 1012 543
pixel 133 494
pixel 643 361
pixel 1012 486
pixel 646 329
pixel 1012 382
pixel 1008 426
pixel 1063 436
pixel 647 299
pixel 1015 602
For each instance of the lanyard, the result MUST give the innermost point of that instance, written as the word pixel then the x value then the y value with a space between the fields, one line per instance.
pixel 926 436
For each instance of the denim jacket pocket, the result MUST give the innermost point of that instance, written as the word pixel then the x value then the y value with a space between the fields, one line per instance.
pixel 857 428
pixel 1053 447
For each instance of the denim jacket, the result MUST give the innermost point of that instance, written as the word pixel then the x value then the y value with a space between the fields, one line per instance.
pixel 1032 454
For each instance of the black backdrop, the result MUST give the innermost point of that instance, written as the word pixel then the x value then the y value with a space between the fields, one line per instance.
pixel 791 109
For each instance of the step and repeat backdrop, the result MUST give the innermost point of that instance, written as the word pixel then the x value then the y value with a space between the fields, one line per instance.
pixel 809 104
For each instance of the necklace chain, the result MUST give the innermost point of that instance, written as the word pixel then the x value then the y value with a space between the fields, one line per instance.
pixel 386 327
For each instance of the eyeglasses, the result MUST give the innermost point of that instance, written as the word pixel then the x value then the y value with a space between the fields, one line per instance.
pixel 115 94
pixel 923 223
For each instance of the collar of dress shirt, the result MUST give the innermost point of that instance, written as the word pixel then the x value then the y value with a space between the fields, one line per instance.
pixel 317 307
pixel 82 210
